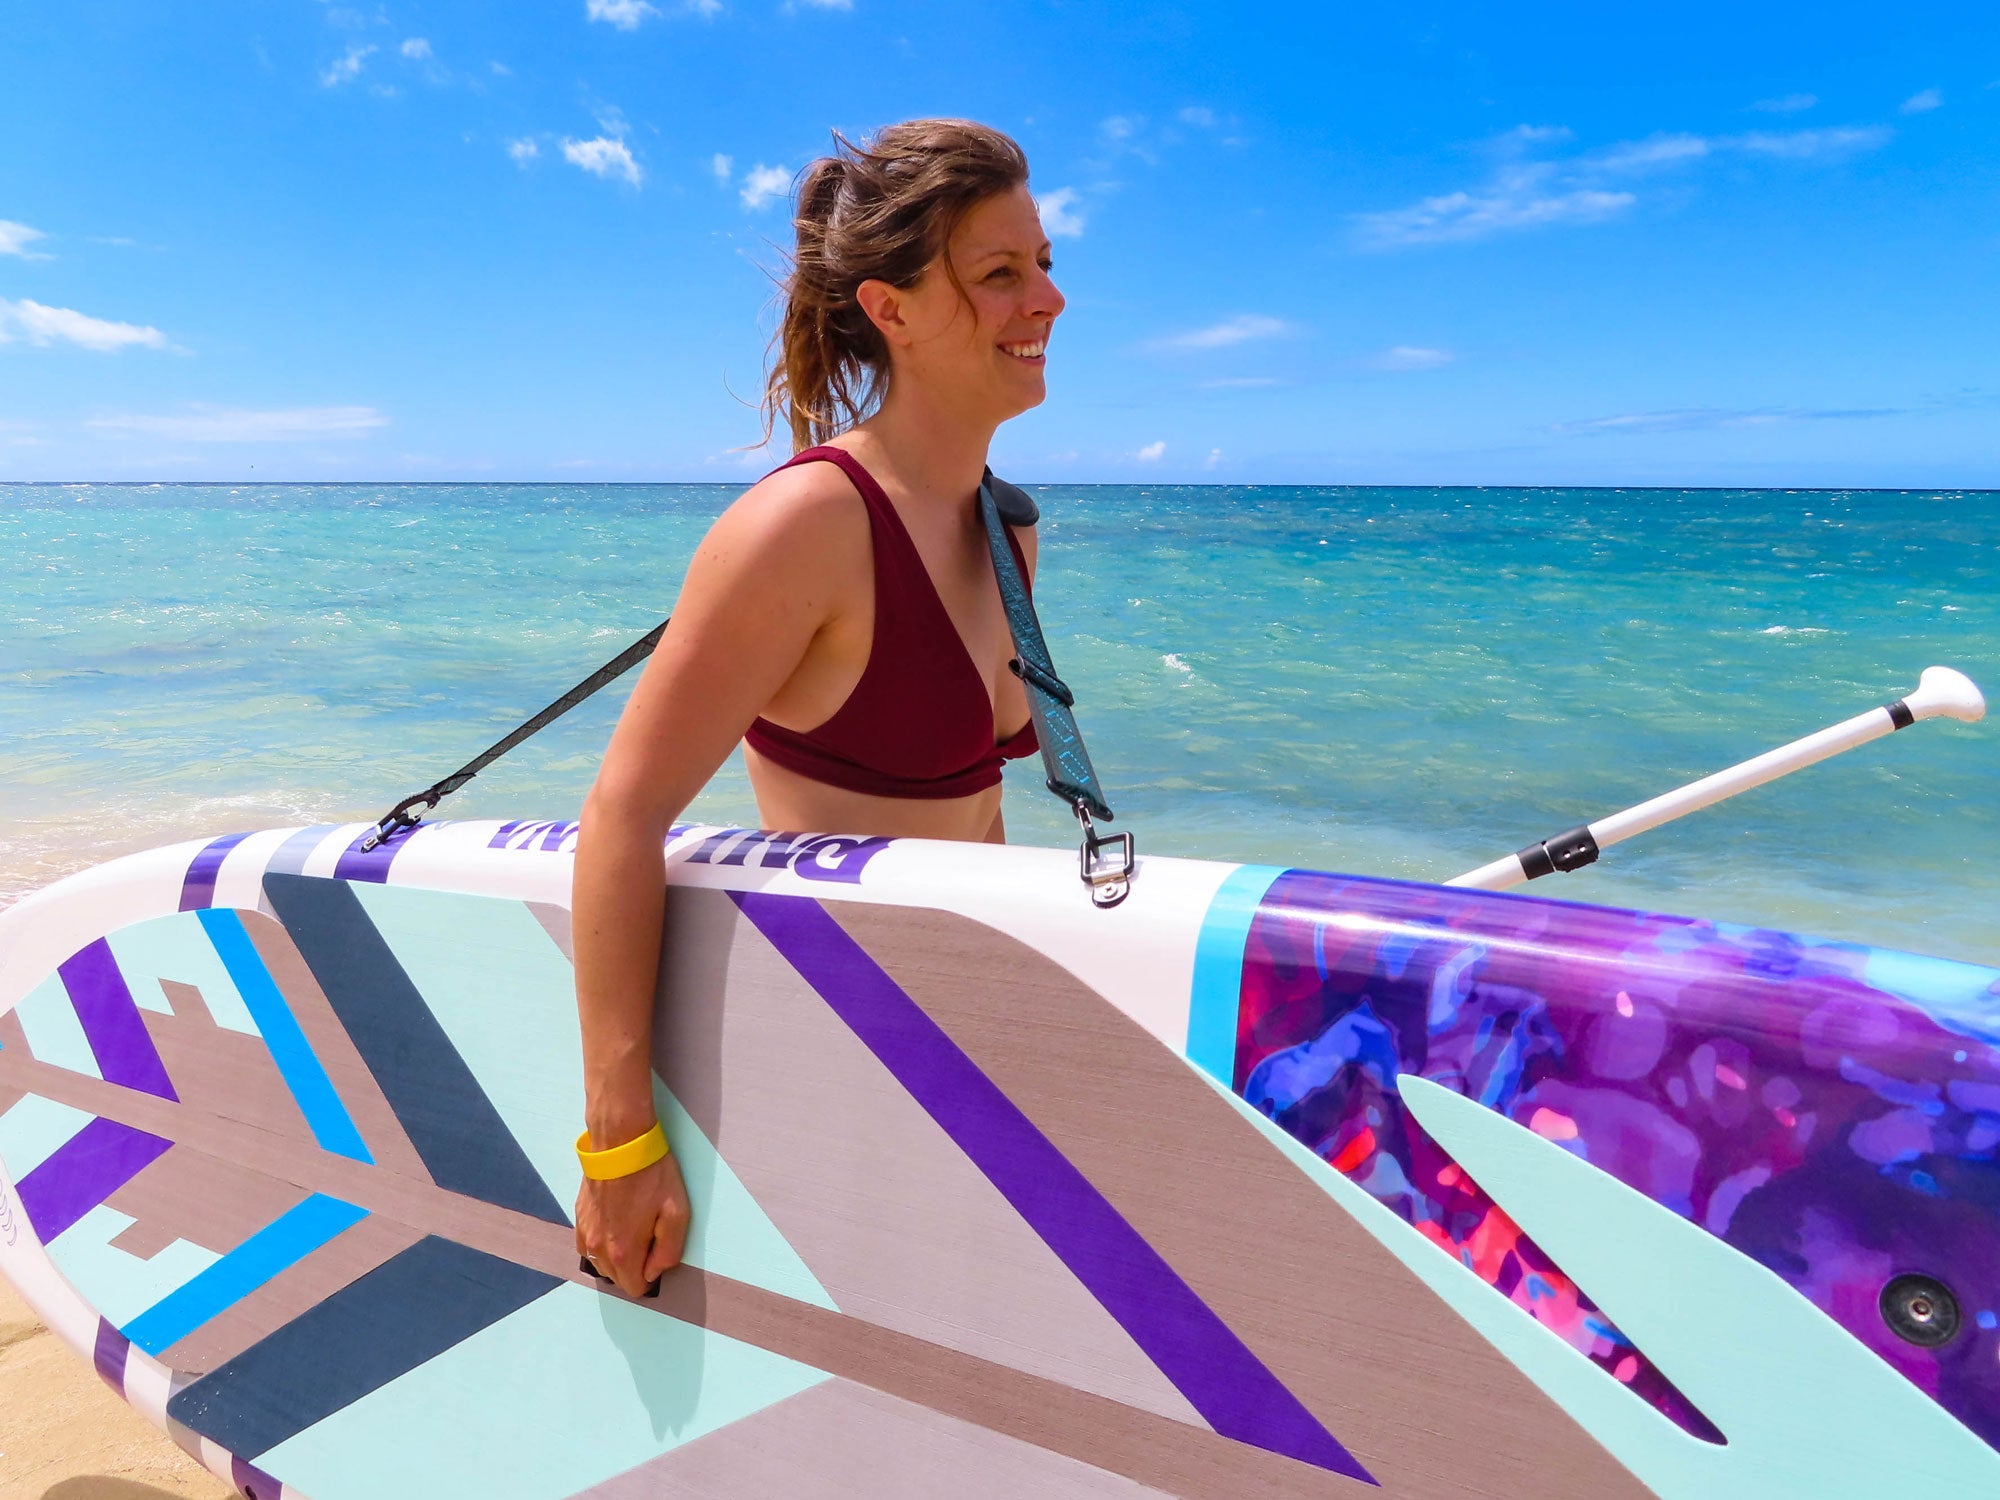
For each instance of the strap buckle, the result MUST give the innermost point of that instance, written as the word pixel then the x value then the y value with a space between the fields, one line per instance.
pixel 398 818
pixel 1108 878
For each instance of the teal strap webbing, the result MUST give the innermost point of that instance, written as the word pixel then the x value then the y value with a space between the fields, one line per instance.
pixel 1070 773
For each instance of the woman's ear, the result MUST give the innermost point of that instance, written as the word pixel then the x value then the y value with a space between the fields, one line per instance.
pixel 884 305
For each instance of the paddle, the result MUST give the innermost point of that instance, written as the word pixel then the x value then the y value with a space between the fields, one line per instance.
pixel 1941 694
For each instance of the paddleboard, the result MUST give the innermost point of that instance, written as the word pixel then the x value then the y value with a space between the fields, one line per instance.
pixel 1263 1182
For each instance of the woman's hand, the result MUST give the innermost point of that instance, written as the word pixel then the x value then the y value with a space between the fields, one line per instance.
pixel 634 1228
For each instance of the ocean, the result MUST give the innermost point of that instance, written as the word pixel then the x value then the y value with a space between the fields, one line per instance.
pixel 1389 681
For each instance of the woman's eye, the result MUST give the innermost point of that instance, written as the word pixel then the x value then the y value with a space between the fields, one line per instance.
pixel 1000 274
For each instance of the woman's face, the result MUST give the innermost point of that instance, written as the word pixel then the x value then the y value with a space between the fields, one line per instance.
pixel 986 350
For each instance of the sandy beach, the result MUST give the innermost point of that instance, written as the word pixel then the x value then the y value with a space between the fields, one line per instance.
pixel 64 1436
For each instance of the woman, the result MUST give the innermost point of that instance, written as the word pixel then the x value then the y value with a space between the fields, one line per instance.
pixel 842 617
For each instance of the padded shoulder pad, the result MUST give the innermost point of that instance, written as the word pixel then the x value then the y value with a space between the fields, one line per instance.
pixel 1016 506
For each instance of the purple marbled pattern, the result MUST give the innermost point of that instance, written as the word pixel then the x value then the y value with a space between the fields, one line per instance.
pixel 1831 1111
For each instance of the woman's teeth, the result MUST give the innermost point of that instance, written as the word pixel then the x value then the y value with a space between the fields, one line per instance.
pixel 1025 351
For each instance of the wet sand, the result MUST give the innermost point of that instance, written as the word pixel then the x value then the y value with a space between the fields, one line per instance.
pixel 65 1436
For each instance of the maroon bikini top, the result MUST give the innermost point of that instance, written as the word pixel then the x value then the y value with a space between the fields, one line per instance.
pixel 919 723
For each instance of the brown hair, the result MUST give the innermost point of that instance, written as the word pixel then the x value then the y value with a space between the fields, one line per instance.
pixel 880 211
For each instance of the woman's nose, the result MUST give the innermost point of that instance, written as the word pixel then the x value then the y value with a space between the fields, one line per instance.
pixel 1044 301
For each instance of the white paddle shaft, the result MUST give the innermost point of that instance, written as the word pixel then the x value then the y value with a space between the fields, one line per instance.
pixel 1941 693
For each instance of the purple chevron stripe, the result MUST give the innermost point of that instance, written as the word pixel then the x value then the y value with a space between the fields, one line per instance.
pixel 198 888
pixel 118 1038
pixel 109 1355
pixel 82 1172
pixel 1180 1333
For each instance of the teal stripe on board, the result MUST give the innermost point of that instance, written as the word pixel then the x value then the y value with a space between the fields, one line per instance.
pixel 506 997
pixel 176 948
pixel 34 1130
pixel 569 1391
pixel 1218 970
pixel 331 1125
pixel 275 1248
pixel 55 1035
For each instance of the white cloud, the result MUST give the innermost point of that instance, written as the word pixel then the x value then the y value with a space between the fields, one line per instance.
pixel 761 184
pixel 603 157
pixel 828 4
pixel 1214 458
pixel 524 150
pixel 214 424
pixel 1198 115
pixel 415 48
pixel 1150 454
pixel 1804 145
pixel 1238 330
pixel 1473 216
pixel 16 238
pixel 1060 216
pixel 1117 129
pixel 1528 193
pixel 346 69
pixel 1704 418
pixel 500 70
pixel 623 14
pixel 720 165
pixel 1411 357
pixel 1924 102
pixel 1788 104
pixel 43 326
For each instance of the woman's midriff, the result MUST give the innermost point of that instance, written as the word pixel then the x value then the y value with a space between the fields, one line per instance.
pixel 796 803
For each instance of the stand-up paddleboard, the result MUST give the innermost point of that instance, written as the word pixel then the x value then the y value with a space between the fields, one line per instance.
pixel 1262 1183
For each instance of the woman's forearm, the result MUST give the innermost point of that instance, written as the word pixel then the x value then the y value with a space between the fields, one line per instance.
pixel 617 899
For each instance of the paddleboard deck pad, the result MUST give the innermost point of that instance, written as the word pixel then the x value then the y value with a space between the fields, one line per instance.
pixel 1264 1182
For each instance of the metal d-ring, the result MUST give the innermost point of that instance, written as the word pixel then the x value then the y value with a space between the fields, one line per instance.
pixel 1109 881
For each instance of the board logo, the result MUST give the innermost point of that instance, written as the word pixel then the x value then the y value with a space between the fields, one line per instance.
pixel 9 1230
pixel 812 856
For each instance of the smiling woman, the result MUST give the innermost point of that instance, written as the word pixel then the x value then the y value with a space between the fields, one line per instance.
pixel 842 619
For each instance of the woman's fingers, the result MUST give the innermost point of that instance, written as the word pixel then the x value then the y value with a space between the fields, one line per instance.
pixel 618 1220
pixel 670 1225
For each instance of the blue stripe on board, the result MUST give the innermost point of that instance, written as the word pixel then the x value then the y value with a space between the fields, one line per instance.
pixel 461 1137
pixel 1216 994
pixel 198 888
pixel 331 1125
pixel 275 1248
pixel 373 1330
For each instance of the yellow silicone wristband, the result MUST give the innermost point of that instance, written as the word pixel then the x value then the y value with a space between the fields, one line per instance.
pixel 622 1161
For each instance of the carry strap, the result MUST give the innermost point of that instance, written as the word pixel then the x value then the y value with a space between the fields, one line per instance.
pixel 1066 762
pixel 410 811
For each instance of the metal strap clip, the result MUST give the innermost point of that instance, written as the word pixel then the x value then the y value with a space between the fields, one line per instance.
pixel 1108 878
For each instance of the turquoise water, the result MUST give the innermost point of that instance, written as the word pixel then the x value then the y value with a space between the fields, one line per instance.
pixel 1392 681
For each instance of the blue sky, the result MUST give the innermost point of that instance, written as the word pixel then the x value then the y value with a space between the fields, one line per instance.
pixel 1567 244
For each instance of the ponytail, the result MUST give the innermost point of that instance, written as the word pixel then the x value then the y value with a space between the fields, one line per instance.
pixel 881 211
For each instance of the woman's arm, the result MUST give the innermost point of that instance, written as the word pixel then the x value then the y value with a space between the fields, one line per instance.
pixel 755 597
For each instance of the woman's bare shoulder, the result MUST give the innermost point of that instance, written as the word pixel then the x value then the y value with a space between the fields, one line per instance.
pixel 809 514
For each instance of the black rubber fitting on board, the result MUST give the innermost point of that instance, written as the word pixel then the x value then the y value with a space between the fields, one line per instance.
pixel 1570 850
pixel 1921 1310
pixel 1900 715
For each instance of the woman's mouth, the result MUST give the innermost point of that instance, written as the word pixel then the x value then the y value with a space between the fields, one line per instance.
pixel 1028 353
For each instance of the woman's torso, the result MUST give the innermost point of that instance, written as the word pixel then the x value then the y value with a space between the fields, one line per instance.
pixel 904 692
